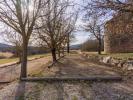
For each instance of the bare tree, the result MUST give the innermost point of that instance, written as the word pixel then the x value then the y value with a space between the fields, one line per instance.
pixel 55 27
pixel 122 11
pixel 116 5
pixel 95 27
pixel 15 40
pixel 21 16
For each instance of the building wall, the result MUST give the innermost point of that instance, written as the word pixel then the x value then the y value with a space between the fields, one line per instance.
pixel 119 34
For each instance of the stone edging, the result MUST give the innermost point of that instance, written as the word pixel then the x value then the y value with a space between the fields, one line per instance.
pixel 124 65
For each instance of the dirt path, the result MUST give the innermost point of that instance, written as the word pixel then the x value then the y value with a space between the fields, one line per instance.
pixel 71 66
pixel 75 66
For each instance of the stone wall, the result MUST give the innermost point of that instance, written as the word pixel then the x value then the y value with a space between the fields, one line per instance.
pixel 119 34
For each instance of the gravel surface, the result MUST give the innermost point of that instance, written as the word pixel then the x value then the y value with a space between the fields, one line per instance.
pixel 78 90
pixel 66 91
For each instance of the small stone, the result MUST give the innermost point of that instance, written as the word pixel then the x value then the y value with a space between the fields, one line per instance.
pixel 114 62
pixel 130 68
pixel 121 63
pixel 106 59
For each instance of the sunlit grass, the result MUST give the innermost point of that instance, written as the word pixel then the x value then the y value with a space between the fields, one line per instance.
pixel 10 60
pixel 37 56
pixel 116 55
pixel 122 55
pixel 6 54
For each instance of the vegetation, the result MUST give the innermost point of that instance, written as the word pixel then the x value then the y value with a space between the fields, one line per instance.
pixel 95 26
pixel 48 19
pixel 55 28
pixel 51 25
pixel 10 60
pixel 5 55
pixel 51 22
pixel 115 55
pixel 120 55
pixel 91 45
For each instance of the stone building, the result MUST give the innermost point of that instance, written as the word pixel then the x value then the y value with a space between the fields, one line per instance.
pixel 119 33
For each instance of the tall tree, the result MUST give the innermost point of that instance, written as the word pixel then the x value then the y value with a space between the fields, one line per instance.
pixel 95 25
pixel 116 5
pixel 21 16
pixel 15 40
pixel 56 25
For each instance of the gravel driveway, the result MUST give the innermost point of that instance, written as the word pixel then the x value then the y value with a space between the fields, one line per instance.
pixel 78 90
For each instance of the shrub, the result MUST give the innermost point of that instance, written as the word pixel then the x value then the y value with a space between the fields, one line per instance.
pixel 91 45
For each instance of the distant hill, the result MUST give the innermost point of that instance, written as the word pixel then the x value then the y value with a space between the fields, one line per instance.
pixel 5 47
pixel 75 47
pixel 31 49
pixel 2 45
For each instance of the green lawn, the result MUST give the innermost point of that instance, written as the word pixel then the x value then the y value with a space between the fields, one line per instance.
pixel 9 60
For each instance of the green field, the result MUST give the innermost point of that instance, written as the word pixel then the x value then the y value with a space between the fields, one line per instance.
pixel 10 60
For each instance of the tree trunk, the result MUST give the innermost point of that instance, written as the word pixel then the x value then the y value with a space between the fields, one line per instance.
pixel 63 52
pixel 54 54
pixel 68 44
pixel 99 46
pixel 24 59
pixel 20 59
pixel 59 54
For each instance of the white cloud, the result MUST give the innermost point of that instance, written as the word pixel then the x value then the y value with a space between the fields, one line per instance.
pixel 80 37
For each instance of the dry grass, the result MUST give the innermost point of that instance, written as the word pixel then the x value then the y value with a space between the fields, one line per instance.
pixel 10 60
pixel 115 55
pixel 6 54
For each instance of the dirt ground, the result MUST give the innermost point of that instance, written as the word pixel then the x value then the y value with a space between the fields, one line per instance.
pixel 73 66
pixel 76 66
pixel 11 73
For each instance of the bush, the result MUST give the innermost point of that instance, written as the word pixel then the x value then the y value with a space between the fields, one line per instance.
pixel 91 45
pixel 4 55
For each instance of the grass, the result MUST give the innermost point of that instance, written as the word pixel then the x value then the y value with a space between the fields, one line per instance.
pixel 115 55
pixel 10 60
pixel 37 56
pixel 121 55
pixel 6 54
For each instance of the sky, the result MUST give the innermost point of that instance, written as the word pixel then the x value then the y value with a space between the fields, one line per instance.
pixel 80 36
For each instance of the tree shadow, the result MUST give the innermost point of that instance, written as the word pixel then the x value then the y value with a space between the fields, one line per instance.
pixel 61 94
pixel 77 69
pixel 20 91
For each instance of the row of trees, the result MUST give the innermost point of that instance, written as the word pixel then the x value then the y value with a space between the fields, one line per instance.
pixel 48 21
pixel 91 45
pixel 51 22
